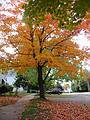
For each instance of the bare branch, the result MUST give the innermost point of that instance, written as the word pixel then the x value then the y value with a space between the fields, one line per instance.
pixel 47 35
pixel 47 74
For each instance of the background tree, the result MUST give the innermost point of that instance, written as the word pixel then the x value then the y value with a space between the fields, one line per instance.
pixel 32 78
pixel 68 12
pixel 21 81
pixel 87 78
pixel 29 80
pixel 80 84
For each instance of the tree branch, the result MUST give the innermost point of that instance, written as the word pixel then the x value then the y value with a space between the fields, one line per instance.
pixel 59 43
pixel 47 35
pixel 47 74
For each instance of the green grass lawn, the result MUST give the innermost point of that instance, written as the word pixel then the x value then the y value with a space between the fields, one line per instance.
pixel 31 110
pixel 23 93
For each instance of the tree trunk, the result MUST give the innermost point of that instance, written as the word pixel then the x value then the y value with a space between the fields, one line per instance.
pixel 16 92
pixel 88 84
pixel 41 82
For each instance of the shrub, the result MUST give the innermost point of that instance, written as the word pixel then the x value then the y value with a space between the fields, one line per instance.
pixel 80 87
pixel 5 88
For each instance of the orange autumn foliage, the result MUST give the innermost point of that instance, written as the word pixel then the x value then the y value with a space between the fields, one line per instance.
pixel 44 44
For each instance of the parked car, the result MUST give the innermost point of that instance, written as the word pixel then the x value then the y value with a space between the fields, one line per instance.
pixel 55 91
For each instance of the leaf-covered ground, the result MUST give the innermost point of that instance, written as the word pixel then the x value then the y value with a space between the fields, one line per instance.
pixel 47 110
pixel 6 100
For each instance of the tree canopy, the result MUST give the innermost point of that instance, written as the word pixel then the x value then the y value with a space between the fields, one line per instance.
pixel 68 12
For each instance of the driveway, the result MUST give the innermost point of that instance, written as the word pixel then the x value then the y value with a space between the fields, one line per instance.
pixel 13 112
pixel 71 97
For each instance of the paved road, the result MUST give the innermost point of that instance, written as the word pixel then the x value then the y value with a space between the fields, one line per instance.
pixel 12 112
pixel 72 97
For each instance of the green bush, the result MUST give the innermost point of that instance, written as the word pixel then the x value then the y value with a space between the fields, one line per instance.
pixel 84 87
pixel 5 88
pixel 81 86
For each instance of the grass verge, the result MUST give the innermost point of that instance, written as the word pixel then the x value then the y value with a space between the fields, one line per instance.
pixel 30 111
pixel 36 111
pixel 48 110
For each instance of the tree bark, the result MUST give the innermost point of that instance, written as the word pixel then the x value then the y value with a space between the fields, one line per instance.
pixel 88 84
pixel 41 82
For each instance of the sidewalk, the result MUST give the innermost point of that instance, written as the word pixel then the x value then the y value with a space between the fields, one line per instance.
pixel 13 112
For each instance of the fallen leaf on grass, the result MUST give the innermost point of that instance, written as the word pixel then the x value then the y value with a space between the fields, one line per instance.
pixel 63 111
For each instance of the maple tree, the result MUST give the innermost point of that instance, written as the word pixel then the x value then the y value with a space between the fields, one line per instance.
pixel 38 46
